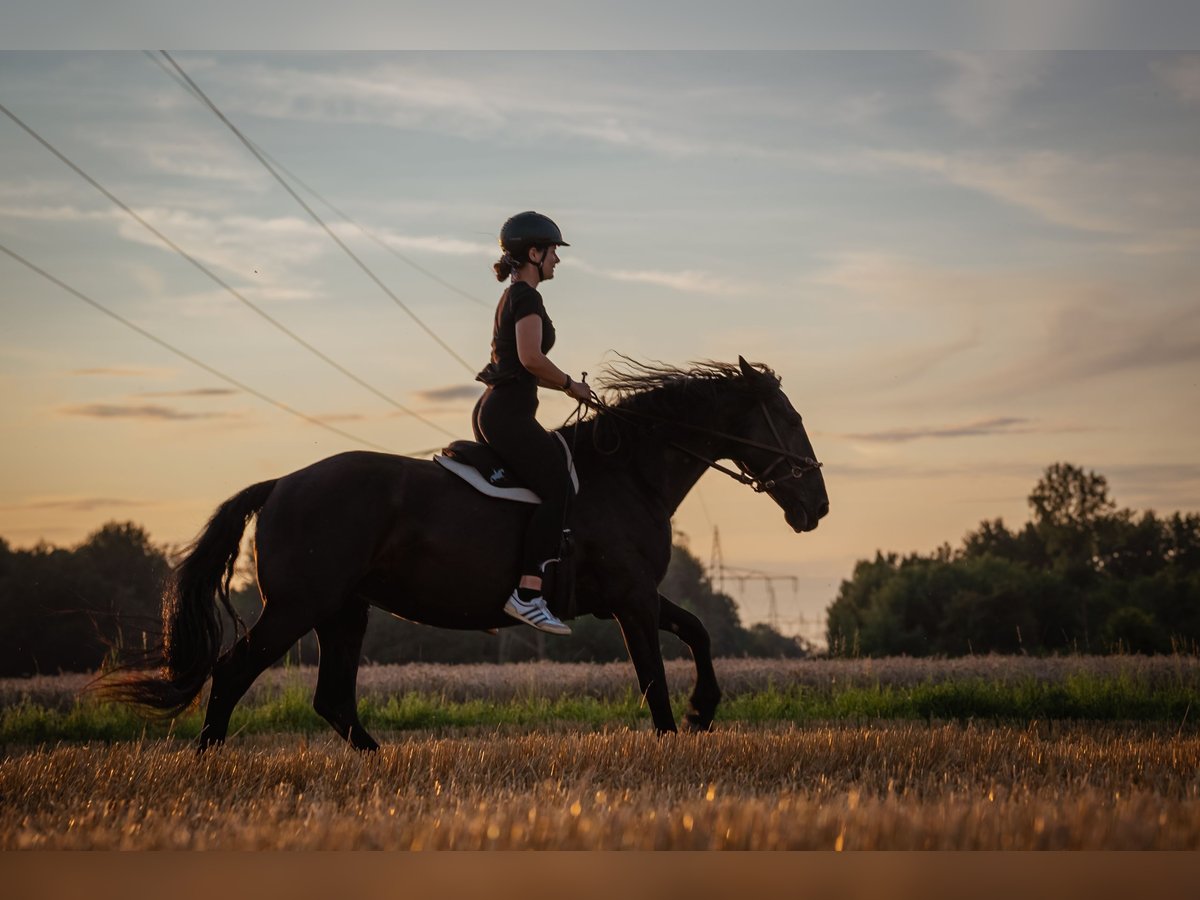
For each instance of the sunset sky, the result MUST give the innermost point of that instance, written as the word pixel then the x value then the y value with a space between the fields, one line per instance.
pixel 964 266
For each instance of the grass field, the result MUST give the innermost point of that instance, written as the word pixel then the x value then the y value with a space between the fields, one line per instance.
pixel 894 754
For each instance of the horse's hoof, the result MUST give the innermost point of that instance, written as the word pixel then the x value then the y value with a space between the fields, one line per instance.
pixel 361 741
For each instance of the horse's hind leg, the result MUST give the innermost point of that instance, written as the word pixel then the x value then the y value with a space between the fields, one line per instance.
pixel 702 706
pixel 341 637
pixel 277 629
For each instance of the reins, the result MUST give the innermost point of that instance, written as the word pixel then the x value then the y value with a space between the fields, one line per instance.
pixel 760 483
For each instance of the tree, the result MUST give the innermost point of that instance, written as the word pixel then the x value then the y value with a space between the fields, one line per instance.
pixel 1081 575
pixel 1068 497
pixel 66 609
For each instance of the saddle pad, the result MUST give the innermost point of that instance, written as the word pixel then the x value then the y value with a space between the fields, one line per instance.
pixel 479 466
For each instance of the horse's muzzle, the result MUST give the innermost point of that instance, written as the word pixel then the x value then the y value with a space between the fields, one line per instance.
pixel 799 519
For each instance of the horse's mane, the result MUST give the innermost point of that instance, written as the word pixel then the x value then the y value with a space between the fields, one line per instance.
pixel 668 390
pixel 675 393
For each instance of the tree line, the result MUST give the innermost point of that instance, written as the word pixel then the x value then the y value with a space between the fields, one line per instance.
pixel 1081 575
pixel 71 609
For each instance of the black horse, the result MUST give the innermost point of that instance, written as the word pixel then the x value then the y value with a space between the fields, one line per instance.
pixel 409 537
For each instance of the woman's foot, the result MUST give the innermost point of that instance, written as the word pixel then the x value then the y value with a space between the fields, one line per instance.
pixel 533 611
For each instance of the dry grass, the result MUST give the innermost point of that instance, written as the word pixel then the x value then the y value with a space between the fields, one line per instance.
pixel 888 785
pixel 519 681
pixel 893 786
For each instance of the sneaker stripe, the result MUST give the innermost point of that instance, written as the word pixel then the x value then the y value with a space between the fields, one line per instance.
pixel 535 613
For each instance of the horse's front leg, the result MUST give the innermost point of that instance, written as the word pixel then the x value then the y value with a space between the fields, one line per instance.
pixel 702 706
pixel 639 624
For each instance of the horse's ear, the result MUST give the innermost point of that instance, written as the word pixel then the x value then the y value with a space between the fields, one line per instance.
pixel 763 382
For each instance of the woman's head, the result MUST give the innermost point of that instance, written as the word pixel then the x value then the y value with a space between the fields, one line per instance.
pixel 529 238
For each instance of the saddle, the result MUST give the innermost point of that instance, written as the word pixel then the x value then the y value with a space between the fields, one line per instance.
pixel 479 466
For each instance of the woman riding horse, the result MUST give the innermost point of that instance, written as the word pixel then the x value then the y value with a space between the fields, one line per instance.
pixel 505 418
pixel 364 529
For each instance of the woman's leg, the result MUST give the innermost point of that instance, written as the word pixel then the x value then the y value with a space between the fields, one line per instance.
pixel 506 421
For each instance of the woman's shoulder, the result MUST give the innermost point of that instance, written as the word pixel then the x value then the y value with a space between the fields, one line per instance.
pixel 523 299
pixel 522 289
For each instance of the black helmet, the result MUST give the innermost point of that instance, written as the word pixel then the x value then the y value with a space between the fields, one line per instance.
pixel 529 229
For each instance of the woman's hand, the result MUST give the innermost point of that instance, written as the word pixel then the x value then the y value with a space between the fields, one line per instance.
pixel 580 391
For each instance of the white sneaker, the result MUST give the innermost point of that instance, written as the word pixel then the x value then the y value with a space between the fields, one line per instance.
pixel 534 612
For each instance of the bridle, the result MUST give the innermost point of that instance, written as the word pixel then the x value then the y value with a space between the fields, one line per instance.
pixel 762 482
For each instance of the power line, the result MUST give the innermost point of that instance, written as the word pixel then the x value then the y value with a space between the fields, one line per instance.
pixel 313 191
pixel 187 356
pixel 216 278
pixel 718 572
pixel 316 218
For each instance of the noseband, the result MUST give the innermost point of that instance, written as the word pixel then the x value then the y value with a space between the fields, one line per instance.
pixel 798 465
pixel 760 483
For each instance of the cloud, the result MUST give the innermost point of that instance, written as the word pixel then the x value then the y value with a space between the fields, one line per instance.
pixel 123 372
pixel 968 336
pixel 75 504
pixel 1159 474
pixel 985 86
pixel 1164 487
pixel 262 251
pixel 35 187
pixel 340 417
pixel 691 281
pixel 1133 196
pixel 63 212
pixel 430 244
pixel 1000 425
pixel 860 109
pixel 1092 339
pixel 450 393
pixel 905 367
pixel 145 411
pixel 904 471
pixel 886 279
pixel 1182 76
pixel 1064 190
pixel 249 246
pixel 259 256
pixel 194 392
pixel 597 108
pixel 202 159
pixel 189 152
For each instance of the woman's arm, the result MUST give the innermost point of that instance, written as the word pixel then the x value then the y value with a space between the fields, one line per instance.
pixel 548 375
pixel 529 351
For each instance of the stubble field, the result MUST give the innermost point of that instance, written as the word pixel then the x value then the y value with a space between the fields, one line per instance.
pixel 769 777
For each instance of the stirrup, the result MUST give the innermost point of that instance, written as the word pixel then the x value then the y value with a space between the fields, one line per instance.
pixel 535 613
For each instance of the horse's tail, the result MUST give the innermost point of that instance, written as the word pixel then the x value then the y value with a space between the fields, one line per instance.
pixel 192 630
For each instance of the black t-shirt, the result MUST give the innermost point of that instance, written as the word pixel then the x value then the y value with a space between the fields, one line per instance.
pixel 518 301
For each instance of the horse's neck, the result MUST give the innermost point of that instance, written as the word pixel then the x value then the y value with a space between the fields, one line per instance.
pixel 680 458
pixel 682 473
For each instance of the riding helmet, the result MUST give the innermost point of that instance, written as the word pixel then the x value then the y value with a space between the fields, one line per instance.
pixel 529 229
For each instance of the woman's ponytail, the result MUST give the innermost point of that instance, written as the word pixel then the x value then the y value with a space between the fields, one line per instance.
pixel 507 265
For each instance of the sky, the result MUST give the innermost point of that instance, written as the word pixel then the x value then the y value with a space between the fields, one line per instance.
pixel 965 266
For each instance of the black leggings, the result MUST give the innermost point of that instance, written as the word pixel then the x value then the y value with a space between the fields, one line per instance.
pixel 504 419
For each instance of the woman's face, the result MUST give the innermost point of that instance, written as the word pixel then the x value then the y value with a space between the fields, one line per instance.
pixel 549 260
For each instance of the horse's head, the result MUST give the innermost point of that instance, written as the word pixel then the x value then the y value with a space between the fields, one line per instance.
pixel 778 455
